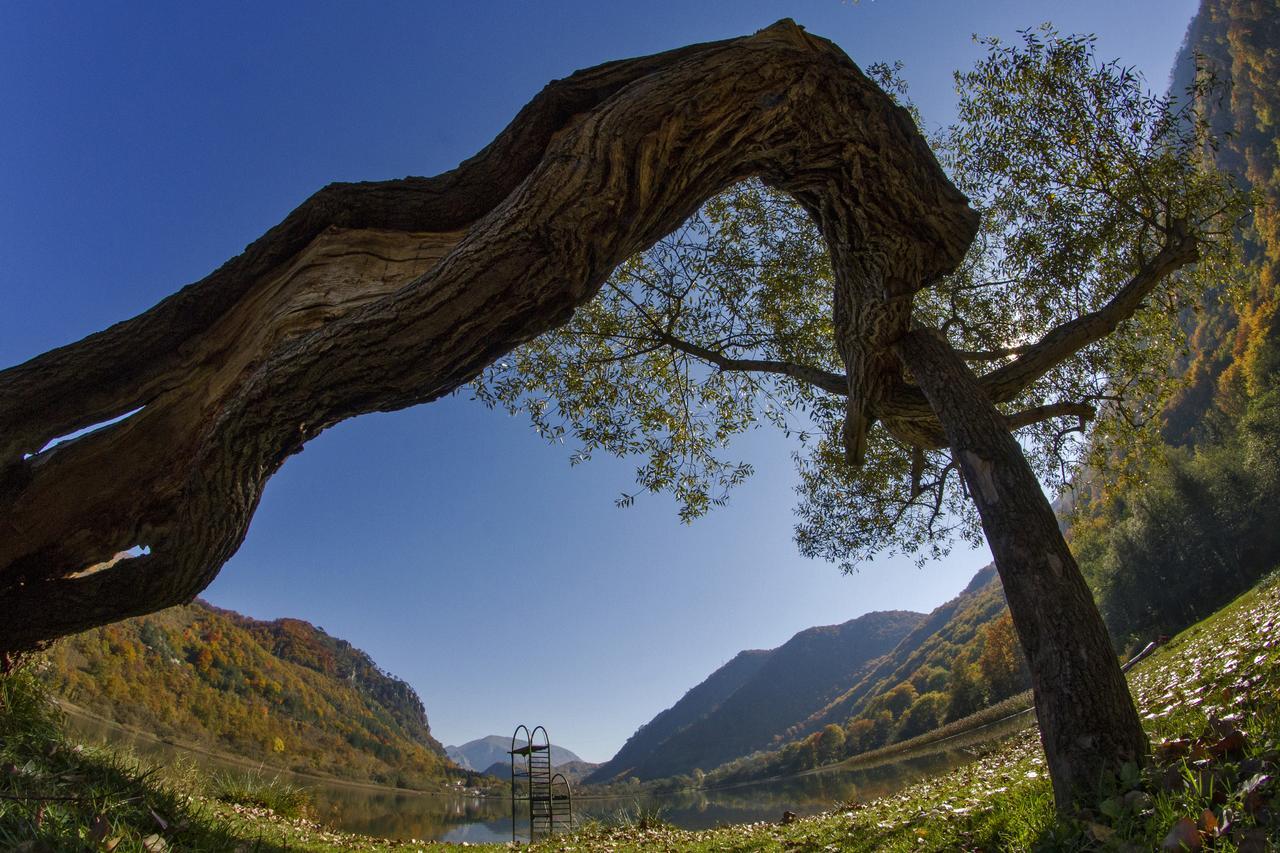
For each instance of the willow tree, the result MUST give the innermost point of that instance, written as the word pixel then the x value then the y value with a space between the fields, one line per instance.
pixel 927 407
pixel 377 296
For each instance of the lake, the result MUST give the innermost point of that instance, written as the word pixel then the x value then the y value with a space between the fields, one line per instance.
pixel 397 813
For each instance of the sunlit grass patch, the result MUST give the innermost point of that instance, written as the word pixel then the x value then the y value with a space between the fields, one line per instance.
pixel 640 816
pixel 255 789
pixel 55 795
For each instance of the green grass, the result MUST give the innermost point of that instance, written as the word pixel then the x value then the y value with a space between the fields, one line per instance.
pixel 255 789
pixel 640 817
pixel 1210 698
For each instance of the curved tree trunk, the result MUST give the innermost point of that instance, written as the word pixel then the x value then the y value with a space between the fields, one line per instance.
pixel 1088 723
pixel 374 297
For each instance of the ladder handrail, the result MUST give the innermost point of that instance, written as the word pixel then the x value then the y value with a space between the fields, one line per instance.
pixel 566 799
pixel 528 774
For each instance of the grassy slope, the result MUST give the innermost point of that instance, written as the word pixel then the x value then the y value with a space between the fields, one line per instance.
pixel 1218 676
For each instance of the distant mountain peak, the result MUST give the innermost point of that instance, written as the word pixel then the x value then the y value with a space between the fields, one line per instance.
pixel 483 752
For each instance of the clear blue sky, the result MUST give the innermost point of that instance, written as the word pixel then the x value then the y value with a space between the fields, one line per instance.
pixel 142 144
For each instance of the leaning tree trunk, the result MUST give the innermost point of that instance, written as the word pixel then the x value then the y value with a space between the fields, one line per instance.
pixel 374 297
pixel 1088 723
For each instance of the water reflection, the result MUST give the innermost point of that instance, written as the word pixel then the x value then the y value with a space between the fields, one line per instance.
pixel 392 813
pixel 405 814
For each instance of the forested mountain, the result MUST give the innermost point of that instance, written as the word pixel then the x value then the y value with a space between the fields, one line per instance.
pixel 750 703
pixel 956 660
pixel 1234 358
pixel 1199 520
pixel 697 703
pixel 953 637
pixel 284 693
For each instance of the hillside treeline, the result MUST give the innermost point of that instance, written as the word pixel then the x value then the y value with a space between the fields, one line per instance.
pixel 1199 519
pixel 283 693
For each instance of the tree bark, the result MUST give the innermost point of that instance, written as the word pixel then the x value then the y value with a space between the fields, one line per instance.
pixel 374 297
pixel 1088 723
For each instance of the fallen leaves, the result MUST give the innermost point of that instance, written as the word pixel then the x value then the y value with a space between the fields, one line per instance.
pixel 1252 793
pixel 99 829
pixel 1172 749
pixel 1184 835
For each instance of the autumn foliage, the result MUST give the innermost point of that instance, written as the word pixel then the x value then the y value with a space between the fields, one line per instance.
pixel 284 693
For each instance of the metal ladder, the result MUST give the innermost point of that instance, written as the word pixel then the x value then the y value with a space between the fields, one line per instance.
pixel 549 799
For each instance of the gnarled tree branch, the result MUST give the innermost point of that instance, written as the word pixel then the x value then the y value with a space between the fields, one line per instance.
pixel 992 354
pixel 1006 382
pixel 832 383
pixel 1037 414
pixel 121 368
pixel 374 297
pixel 904 407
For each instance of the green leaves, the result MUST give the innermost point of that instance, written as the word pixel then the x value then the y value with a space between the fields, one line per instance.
pixel 745 277
pixel 1082 176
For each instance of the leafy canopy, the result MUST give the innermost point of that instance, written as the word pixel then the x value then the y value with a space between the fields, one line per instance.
pixel 1082 178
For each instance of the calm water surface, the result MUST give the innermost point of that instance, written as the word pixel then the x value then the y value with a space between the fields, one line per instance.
pixel 393 813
